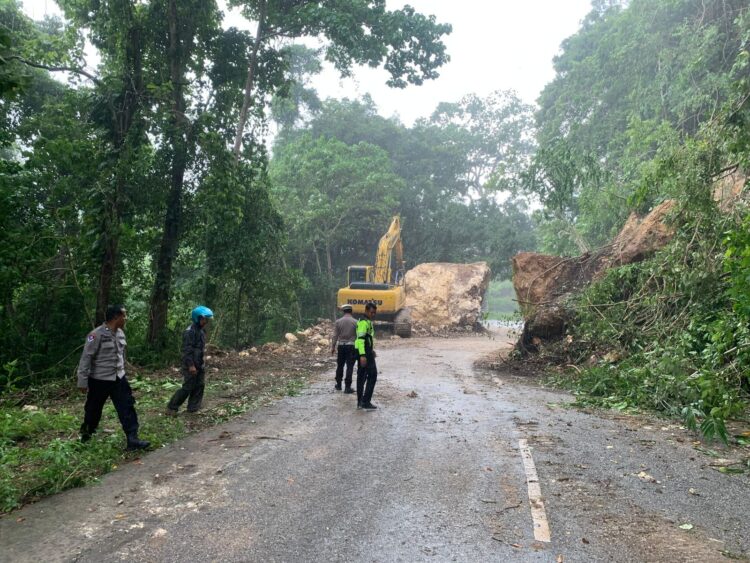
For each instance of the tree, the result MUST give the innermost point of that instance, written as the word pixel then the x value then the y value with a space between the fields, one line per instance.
pixel 496 135
pixel 558 176
pixel 337 200
pixel 117 29
pixel 407 43
pixel 190 25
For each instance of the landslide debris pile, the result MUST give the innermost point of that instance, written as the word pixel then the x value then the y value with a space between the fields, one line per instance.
pixel 304 349
pixel 543 283
pixel 445 297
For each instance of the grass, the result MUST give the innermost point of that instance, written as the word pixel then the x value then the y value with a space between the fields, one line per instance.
pixel 42 454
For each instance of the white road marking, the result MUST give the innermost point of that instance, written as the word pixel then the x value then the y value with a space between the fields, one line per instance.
pixel 538 513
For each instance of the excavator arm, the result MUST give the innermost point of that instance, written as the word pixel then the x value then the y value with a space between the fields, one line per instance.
pixel 390 241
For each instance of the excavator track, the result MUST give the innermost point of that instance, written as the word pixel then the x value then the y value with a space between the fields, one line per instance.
pixel 402 324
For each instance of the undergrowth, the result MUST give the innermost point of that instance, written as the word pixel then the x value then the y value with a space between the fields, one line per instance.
pixel 672 333
pixel 40 448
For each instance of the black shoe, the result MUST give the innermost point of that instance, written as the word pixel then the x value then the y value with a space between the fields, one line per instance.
pixel 85 433
pixel 348 390
pixel 338 387
pixel 137 444
pixel 369 407
pixel 359 405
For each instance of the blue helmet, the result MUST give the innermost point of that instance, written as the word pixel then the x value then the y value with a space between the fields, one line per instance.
pixel 201 311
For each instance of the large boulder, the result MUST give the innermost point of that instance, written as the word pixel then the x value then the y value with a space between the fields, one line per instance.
pixel 443 296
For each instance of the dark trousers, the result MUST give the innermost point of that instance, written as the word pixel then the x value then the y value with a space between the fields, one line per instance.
pixel 346 356
pixel 366 378
pixel 193 385
pixel 122 398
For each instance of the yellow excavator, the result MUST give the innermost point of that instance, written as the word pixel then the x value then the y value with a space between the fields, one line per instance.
pixel 382 284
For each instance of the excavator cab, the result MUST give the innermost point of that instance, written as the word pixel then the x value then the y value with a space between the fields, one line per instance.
pixel 358 274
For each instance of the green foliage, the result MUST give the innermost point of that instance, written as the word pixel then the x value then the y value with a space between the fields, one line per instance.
pixel 500 300
pixel 679 320
pixel 42 454
pixel 360 32
pixel 443 176
pixel 649 104
pixel 636 80
pixel 336 199
pixel 117 185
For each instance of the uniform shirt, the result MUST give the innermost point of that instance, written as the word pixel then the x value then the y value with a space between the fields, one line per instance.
pixel 365 341
pixel 193 344
pixel 344 331
pixel 121 346
pixel 103 356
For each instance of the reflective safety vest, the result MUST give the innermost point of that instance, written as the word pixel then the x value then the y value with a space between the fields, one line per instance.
pixel 365 341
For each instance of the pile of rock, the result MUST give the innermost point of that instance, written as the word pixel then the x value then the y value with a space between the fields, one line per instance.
pixel 313 340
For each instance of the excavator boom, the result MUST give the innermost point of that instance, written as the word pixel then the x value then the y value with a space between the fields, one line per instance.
pixel 388 242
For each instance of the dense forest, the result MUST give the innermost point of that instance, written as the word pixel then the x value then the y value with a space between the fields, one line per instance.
pixel 650 103
pixel 198 164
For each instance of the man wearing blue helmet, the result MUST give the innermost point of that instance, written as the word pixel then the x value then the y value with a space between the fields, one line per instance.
pixel 193 375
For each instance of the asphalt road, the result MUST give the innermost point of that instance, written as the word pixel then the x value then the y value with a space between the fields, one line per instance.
pixel 435 474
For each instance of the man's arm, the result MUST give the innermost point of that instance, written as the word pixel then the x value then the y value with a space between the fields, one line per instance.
pixel 188 351
pixel 335 337
pixel 90 349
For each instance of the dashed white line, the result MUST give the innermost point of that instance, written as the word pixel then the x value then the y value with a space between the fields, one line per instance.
pixel 538 513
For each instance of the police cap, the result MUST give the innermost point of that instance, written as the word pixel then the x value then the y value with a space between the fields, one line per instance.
pixel 346 308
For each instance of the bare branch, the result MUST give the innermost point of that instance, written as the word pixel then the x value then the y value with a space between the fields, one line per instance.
pixel 74 70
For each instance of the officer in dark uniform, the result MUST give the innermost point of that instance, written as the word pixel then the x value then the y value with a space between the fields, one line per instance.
pixel 367 370
pixel 193 374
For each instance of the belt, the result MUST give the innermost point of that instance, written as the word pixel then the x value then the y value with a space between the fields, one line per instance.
pixel 346 342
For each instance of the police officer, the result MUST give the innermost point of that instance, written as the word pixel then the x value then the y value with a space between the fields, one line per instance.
pixel 101 375
pixel 344 333
pixel 367 370
pixel 193 374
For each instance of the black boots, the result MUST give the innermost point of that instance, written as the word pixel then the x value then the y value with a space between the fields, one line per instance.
pixel 134 443
pixel 338 386
pixel 348 390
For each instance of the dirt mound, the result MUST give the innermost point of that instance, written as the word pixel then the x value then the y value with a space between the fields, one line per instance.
pixel 544 282
pixel 446 296
pixel 540 279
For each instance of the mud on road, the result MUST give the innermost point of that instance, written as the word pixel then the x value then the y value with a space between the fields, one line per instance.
pixel 435 474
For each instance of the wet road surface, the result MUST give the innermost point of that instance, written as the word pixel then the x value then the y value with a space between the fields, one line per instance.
pixel 435 474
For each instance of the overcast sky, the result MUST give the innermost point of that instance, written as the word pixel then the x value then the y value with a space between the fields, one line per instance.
pixel 495 45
